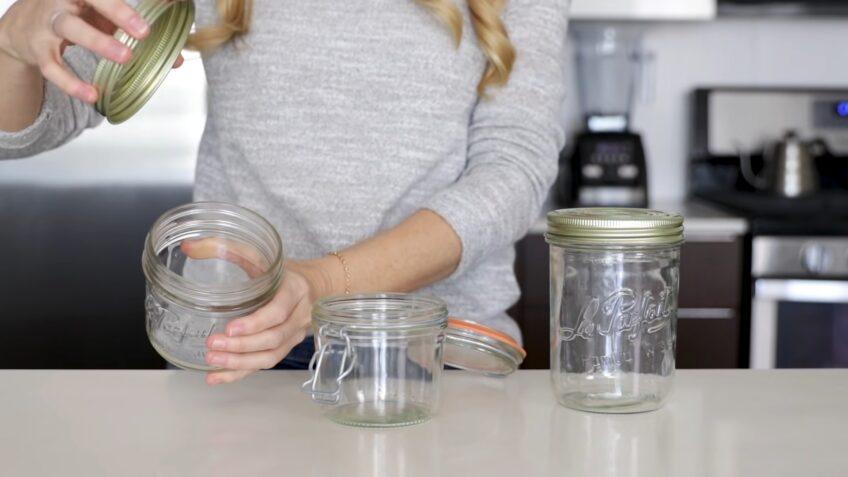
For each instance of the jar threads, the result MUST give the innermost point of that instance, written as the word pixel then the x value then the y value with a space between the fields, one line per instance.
pixel 125 89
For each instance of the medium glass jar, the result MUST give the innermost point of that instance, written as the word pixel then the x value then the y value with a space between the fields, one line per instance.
pixel 206 263
pixel 614 276
pixel 378 360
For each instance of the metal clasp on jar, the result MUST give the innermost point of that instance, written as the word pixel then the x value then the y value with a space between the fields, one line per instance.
pixel 319 361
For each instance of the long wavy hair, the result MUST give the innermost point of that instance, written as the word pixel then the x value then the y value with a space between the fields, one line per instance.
pixel 234 18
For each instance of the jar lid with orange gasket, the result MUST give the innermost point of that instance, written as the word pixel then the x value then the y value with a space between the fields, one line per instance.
pixel 475 347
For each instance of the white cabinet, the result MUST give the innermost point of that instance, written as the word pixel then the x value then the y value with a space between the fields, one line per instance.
pixel 643 9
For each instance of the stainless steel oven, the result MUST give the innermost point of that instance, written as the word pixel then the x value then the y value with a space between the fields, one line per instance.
pixel 799 315
pixel 799 245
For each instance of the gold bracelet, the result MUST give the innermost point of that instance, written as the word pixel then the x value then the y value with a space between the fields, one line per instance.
pixel 346 270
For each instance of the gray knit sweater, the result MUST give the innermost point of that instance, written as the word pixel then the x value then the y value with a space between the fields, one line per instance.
pixel 337 119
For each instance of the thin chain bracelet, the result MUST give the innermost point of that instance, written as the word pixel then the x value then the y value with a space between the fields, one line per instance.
pixel 346 270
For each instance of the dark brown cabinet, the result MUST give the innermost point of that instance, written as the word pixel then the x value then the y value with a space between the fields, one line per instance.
pixel 709 308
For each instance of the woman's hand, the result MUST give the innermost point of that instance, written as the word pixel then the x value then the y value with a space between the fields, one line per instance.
pixel 263 338
pixel 36 33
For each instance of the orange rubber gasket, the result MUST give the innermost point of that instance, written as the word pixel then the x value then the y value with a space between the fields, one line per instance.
pixel 486 331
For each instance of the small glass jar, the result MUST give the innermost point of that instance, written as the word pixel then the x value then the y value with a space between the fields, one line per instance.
pixel 206 263
pixel 614 276
pixel 378 359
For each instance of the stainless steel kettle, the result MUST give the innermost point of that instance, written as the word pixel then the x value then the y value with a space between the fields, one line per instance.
pixel 790 167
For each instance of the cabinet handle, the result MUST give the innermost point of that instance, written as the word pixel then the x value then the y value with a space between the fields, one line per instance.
pixel 706 313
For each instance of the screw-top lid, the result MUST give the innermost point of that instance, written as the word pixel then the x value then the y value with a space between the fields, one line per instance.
pixel 124 89
pixel 614 226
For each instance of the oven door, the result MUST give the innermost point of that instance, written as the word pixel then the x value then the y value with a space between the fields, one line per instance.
pixel 799 324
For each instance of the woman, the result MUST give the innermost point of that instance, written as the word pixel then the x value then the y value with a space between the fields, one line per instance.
pixel 397 145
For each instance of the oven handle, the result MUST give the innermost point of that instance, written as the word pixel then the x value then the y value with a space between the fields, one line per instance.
pixel 808 291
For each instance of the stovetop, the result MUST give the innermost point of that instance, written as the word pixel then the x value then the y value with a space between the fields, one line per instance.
pixel 825 213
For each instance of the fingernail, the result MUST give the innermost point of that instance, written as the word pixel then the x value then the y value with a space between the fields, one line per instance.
pixel 217 359
pixel 119 53
pixel 138 25
pixel 219 343
pixel 236 330
pixel 87 93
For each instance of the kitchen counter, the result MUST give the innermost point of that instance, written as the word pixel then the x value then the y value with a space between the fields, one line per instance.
pixel 169 423
pixel 700 219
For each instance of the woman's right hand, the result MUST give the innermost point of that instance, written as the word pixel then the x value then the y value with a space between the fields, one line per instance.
pixel 36 33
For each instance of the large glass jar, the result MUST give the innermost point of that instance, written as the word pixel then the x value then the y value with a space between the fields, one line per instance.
pixel 379 358
pixel 614 277
pixel 206 264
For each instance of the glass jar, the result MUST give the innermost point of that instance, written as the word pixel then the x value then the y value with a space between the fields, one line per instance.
pixel 614 277
pixel 378 359
pixel 125 88
pixel 206 263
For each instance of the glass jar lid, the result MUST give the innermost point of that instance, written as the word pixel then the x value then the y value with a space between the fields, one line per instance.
pixel 614 226
pixel 124 89
pixel 474 347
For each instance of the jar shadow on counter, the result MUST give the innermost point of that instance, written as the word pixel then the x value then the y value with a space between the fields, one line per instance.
pixel 481 417
pixel 610 445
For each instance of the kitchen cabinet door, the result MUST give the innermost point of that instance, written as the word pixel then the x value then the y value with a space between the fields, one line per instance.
pixel 710 304
pixel 643 9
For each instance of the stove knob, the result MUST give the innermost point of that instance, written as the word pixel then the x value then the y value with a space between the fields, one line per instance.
pixel 816 259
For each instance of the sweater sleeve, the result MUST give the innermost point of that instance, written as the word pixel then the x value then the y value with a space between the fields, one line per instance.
pixel 61 119
pixel 515 137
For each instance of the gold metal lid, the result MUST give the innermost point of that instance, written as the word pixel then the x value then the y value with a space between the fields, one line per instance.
pixel 124 89
pixel 614 226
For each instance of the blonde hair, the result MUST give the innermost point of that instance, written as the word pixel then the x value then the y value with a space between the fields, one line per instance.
pixel 234 18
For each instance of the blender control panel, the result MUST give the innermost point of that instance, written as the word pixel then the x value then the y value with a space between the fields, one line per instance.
pixel 610 161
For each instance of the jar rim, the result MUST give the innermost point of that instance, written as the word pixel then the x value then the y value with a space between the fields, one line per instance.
pixel 168 230
pixel 381 311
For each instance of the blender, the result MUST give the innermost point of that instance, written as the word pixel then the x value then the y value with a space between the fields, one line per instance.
pixel 606 167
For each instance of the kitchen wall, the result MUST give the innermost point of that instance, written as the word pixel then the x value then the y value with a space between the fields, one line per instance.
pixel 767 52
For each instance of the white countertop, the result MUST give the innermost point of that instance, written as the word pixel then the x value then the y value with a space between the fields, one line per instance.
pixel 169 423
pixel 699 220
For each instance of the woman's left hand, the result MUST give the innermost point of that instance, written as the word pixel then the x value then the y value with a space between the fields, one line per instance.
pixel 263 338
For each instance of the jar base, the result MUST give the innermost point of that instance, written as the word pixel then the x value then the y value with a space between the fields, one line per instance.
pixel 379 414
pixel 606 404
pixel 179 363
